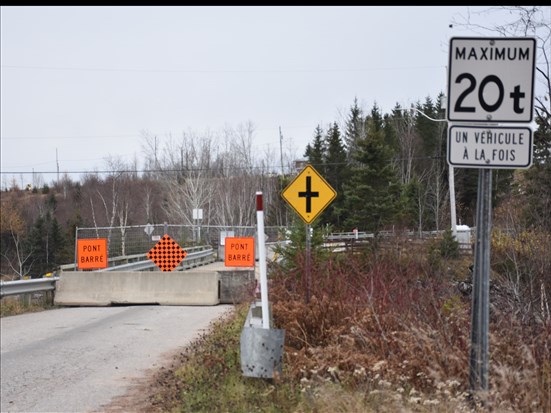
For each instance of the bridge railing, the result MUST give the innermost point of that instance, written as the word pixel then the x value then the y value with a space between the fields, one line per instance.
pixel 342 238
pixel 196 256
pixel 127 241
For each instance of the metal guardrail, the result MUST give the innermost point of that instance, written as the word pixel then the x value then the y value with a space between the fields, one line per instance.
pixel 382 234
pixel 348 235
pixel 193 259
pixel 111 261
pixel 27 286
pixel 120 262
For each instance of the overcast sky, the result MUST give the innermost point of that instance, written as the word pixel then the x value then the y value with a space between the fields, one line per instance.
pixel 88 81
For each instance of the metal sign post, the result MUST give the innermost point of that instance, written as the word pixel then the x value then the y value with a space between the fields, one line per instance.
pixel 480 313
pixel 197 217
pixel 308 271
pixel 490 82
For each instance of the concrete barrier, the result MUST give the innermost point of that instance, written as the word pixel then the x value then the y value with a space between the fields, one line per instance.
pixel 236 285
pixel 192 287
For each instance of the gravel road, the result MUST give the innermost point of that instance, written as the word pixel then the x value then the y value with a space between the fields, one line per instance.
pixel 79 359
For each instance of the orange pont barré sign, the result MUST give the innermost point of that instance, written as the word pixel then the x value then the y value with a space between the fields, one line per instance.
pixel 91 253
pixel 239 252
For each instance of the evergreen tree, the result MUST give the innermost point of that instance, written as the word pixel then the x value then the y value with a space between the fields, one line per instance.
pixel 38 240
pixel 432 164
pixel 293 254
pixel 354 130
pixel 537 179
pixel 430 133
pixel 335 173
pixel 47 240
pixel 412 211
pixel 373 191
pixel 315 152
pixel 466 186
pixel 391 136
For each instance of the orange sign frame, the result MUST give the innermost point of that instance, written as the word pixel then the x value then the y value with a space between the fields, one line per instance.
pixel 239 252
pixel 92 254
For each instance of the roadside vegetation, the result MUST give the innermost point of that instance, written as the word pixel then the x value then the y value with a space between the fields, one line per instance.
pixel 24 304
pixel 388 168
pixel 380 327
pixel 386 328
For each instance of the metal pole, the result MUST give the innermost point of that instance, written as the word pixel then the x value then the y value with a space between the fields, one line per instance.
pixel 451 184
pixel 478 363
pixel 76 248
pixel 451 176
pixel 57 163
pixel 281 149
pixel 262 261
pixel 308 261
pixel 475 322
pixel 485 290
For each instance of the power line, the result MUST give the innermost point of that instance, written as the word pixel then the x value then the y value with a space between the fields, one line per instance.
pixel 214 170
pixel 214 71
pixel 69 137
pixel 123 136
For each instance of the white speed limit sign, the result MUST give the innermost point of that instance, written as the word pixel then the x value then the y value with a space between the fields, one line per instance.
pixel 491 79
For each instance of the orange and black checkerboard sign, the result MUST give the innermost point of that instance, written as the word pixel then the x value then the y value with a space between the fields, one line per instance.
pixel 166 254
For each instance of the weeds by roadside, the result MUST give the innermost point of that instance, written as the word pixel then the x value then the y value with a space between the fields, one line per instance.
pixel 381 324
pixel 384 331
pixel 208 377
pixel 15 305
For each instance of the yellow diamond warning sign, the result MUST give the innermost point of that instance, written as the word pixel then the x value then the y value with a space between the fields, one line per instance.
pixel 309 194
pixel 166 254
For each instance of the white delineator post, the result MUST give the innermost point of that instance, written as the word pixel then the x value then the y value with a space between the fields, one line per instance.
pixel 262 261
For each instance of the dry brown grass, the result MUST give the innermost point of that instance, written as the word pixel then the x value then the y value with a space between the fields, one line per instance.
pixel 382 325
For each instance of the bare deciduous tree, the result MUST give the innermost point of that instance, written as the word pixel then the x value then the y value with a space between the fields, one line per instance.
pixel 17 253
pixel 521 21
pixel 408 139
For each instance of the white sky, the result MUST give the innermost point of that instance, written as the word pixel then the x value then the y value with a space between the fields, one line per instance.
pixel 87 81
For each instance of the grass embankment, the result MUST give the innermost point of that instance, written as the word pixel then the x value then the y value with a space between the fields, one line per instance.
pixel 207 377
pixel 383 332
pixel 24 304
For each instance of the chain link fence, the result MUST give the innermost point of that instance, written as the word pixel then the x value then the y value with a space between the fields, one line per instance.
pixel 139 239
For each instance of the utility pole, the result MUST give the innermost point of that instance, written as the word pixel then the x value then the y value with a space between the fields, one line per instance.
pixel 57 163
pixel 281 149
pixel 155 150
pixel 451 176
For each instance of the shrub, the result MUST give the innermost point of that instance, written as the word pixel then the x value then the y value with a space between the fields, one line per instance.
pixel 378 322
pixel 449 246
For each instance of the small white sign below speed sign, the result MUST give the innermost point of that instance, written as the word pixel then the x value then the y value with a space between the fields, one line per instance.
pixel 491 79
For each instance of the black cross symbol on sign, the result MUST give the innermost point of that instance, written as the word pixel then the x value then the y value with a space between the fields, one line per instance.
pixel 308 194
